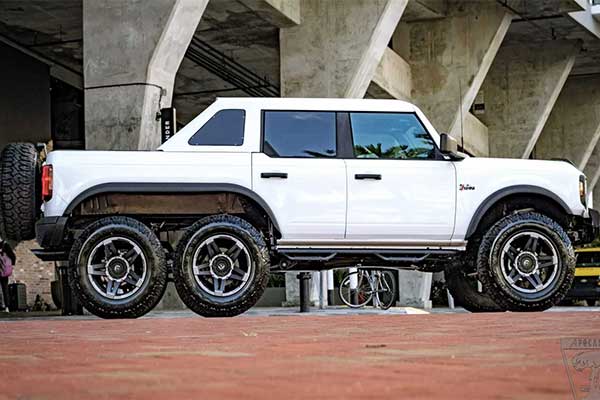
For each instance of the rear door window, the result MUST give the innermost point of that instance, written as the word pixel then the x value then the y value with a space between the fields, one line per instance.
pixel 300 134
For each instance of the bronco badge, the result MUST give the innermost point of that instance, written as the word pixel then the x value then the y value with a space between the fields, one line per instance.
pixel 463 186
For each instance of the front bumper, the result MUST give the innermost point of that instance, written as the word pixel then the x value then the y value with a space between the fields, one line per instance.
pixel 585 230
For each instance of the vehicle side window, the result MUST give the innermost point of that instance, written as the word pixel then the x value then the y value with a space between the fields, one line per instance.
pixel 390 136
pixel 304 134
pixel 225 128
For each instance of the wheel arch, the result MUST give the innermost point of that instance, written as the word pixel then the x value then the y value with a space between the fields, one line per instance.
pixel 523 196
pixel 172 189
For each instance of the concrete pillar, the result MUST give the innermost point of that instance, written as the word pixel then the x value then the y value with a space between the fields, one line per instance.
pixel 415 288
pixel 520 91
pixel 573 128
pixel 450 58
pixel 132 51
pixel 337 48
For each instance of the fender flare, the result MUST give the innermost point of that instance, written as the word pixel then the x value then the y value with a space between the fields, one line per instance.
pixel 492 199
pixel 171 188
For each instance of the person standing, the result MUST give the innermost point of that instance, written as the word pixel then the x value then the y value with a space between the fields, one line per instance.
pixel 7 261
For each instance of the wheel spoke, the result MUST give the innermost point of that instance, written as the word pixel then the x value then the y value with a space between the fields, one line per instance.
pixel 238 275
pixel 201 269
pixel 110 250
pixel 234 252
pixel 219 285
pixel 212 249
pixel 536 281
pixel 532 244
pixel 112 287
pixel 97 269
pixel 134 279
pixel 545 261
pixel 512 253
pixel 132 255
pixel 514 276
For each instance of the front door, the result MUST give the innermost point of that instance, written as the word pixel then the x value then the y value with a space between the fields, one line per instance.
pixel 399 190
pixel 299 176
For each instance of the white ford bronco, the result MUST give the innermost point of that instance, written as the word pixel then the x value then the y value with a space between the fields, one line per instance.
pixel 253 186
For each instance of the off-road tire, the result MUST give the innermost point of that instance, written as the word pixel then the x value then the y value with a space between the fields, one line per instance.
pixel 155 282
pixel 463 289
pixel 489 270
pixel 20 197
pixel 193 295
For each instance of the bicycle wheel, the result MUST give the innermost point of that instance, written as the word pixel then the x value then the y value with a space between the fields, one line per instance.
pixel 360 296
pixel 386 290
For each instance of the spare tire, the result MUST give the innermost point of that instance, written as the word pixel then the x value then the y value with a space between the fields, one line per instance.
pixel 20 197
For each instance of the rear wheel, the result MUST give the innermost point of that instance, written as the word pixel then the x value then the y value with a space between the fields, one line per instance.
pixel 387 290
pixel 20 197
pixel 526 262
pixel 221 266
pixel 117 268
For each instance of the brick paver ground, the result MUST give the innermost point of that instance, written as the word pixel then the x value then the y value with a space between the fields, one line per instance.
pixel 437 356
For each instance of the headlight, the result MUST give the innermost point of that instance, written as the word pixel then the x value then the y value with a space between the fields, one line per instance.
pixel 582 190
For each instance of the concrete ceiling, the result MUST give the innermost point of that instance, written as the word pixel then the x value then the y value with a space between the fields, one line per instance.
pixel 53 29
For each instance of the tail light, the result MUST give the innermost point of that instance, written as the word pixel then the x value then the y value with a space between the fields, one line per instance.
pixel 47 177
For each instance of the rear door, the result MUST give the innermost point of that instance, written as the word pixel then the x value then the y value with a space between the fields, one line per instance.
pixel 399 188
pixel 299 175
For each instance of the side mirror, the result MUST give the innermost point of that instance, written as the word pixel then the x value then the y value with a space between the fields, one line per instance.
pixel 449 146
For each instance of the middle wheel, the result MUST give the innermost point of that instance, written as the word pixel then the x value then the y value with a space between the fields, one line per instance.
pixel 221 266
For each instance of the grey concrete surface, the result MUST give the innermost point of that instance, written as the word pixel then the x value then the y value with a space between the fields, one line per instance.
pixel 520 91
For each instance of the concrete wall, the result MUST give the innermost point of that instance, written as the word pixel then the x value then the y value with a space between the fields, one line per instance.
pixel 25 98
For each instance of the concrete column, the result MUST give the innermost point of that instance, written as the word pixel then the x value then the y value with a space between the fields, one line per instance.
pixel 520 91
pixel 573 128
pixel 450 58
pixel 132 51
pixel 337 48
pixel 415 288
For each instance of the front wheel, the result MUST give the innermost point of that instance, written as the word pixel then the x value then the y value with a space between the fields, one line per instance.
pixel 221 266
pixel 526 262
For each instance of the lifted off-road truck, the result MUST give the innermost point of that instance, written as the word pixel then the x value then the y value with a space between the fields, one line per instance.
pixel 253 186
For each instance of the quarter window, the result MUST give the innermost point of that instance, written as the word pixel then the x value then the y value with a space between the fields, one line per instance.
pixel 390 136
pixel 303 134
pixel 225 128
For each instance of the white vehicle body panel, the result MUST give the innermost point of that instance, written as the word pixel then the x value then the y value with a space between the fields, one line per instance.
pixel 311 203
pixel 321 203
pixel 414 200
pixel 78 171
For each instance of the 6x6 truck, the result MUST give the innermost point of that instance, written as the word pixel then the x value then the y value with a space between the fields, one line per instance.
pixel 254 186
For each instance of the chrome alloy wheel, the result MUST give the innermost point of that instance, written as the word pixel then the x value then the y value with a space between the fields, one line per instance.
pixel 117 268
pixel 222 265
pixel 529 262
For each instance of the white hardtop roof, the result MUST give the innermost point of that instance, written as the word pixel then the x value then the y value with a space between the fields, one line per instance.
pixel 317 104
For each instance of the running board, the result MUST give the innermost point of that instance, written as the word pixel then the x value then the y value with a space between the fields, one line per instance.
pixel 409 256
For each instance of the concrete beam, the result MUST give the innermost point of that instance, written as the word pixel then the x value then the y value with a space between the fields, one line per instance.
pixel 130 68
pixel 520 91
pixel 452 57
pixel 587 19
pixel 475 136
pixel 573 128
pixel 337 48
pixel 392 78
pixel 421 10
pixel 280 13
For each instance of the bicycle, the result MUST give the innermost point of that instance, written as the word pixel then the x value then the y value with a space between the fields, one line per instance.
pixel 362 286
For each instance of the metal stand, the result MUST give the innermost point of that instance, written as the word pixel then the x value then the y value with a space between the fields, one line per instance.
pixel 70 304
pixel 304 280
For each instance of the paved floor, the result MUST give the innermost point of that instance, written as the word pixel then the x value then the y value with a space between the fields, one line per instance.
pixel 269 355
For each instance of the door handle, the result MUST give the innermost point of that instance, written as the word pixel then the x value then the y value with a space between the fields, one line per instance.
pixel 267 175
pixel 376 177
